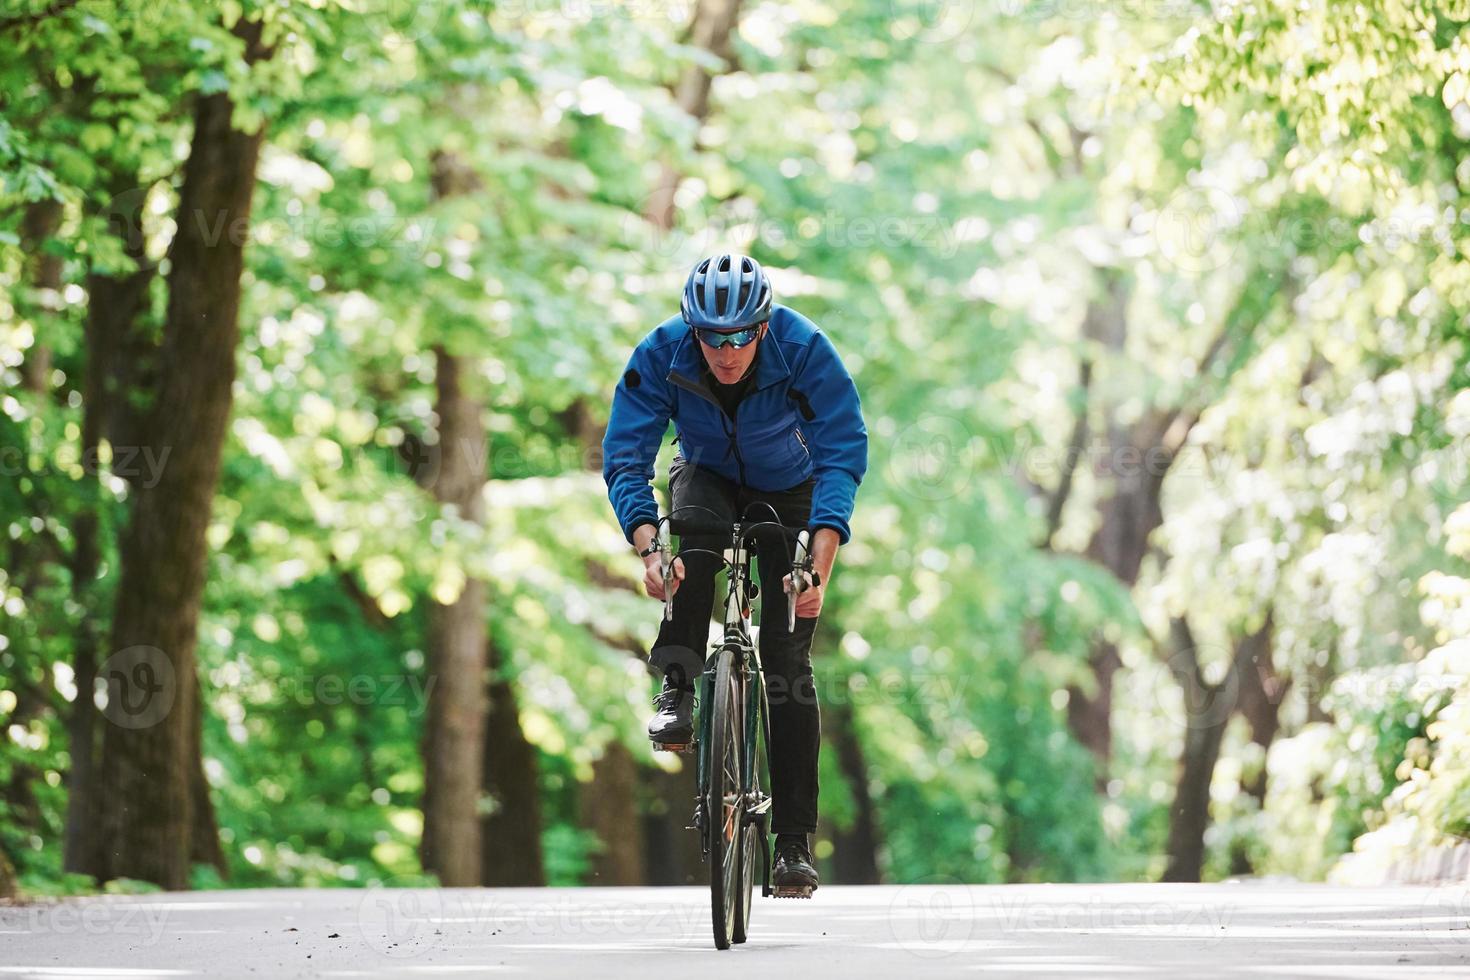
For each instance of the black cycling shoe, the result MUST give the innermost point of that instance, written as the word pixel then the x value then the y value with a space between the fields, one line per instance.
pixel 793 876
pixel 671 729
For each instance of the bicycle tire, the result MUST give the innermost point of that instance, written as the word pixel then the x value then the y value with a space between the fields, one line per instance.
pixel 752 839
pixel 723 802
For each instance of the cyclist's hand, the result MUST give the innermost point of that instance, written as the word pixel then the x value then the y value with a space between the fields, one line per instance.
pixel 653 576
pixel 809 603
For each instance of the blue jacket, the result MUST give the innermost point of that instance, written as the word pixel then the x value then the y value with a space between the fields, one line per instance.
pixel 801 416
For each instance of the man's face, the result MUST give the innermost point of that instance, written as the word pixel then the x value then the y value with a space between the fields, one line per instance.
pixel 729 363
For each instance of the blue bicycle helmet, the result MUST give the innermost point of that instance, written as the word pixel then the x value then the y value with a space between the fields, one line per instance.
pixel 726 292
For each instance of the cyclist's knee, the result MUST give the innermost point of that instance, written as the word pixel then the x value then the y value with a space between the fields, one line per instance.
pixel 786 660
pixel 681 661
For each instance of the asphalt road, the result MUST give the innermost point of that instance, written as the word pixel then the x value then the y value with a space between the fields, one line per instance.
pixel 1249 929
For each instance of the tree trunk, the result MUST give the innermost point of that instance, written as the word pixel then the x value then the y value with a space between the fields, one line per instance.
pixel 42 300
pixel 146 765
pixel 1129 515
pixel 609 809
pixel 1190 815
pixel 455 759
pixel 79 838
pixel 114 308
pixel 854 848
pixel 512 830
pixel 1261 691
pixel 1204 730
pixel 1209 707
pixel 608 806
pixel 1320 676
pixel 204 846
pixel 710 28
pixel 1136 459
pixel 1125 521
pixel 454 746
pixel 671 851
pixel 9 886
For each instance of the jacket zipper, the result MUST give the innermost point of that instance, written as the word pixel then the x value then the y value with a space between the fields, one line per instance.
pixel 802 439
pixel 733 434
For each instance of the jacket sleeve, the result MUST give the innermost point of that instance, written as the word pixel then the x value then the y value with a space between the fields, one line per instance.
pixel 833 415
pixel 641 408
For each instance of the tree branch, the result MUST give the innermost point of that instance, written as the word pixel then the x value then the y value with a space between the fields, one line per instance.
pixel 1075 447
pixel 1251 308
pixel 365 603
pixel 1061 166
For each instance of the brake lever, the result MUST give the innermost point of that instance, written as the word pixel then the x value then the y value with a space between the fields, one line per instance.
pixel 799 584
pixel 666 568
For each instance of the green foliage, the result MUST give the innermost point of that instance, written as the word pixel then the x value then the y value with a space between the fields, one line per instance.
pixel 951 206
pixel 1429 805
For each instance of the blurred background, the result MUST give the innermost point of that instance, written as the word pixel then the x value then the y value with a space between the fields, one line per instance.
pixel 1160 570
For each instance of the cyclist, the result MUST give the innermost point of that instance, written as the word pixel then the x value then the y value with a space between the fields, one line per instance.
pixel 764 411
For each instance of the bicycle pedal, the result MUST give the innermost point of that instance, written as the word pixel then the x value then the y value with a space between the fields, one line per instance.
pixel 793 891
pixel 683 748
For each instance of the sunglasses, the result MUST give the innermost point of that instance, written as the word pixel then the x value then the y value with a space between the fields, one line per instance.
pixel 735 338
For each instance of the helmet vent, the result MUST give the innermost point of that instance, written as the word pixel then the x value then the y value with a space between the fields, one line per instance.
pixel 726 292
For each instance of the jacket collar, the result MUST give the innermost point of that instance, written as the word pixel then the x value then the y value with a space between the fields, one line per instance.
pixel 770 363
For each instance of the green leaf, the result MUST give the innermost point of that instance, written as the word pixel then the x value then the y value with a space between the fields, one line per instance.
pixel 213 81
pixel 96 138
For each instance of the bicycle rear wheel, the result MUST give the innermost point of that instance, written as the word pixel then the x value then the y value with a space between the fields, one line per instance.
pixel 752 836
pixel 724 802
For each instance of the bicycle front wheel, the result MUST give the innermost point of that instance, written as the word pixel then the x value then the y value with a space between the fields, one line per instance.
pixel 724 803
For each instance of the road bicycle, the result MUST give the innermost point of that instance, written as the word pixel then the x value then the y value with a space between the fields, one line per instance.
pixel 732 807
